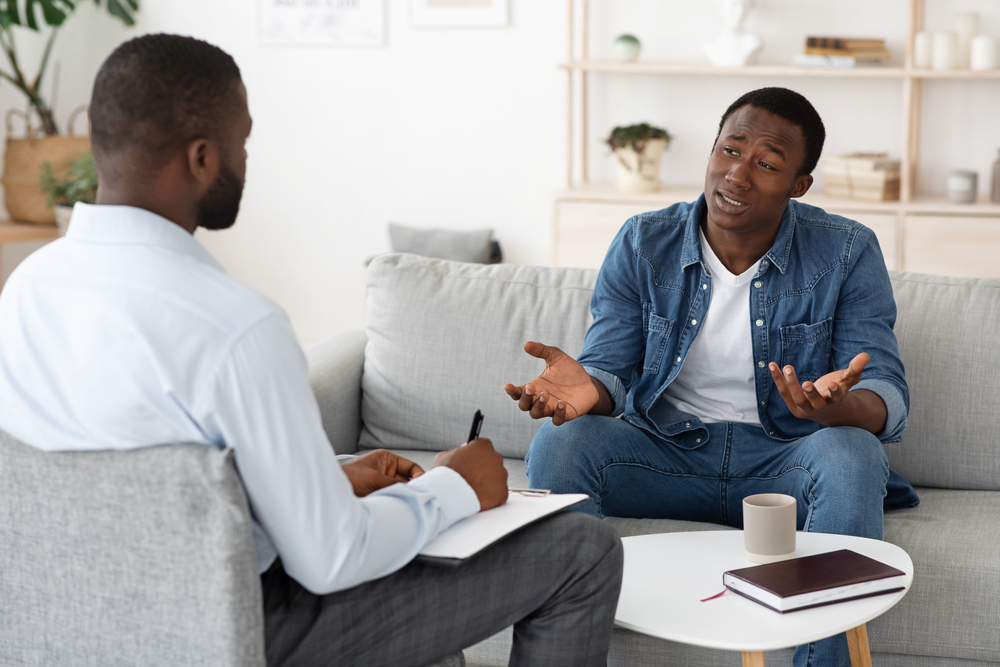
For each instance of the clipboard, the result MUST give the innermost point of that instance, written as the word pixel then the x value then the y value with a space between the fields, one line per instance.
pixel 471 535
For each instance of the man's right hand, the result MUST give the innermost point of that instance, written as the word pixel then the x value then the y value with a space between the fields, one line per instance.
pixel 482 467
pixel 563 391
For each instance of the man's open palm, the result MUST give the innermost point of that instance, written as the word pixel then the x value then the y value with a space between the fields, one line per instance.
pixel 563 391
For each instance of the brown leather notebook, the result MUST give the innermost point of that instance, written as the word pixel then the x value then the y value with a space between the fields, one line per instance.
pixel 814 581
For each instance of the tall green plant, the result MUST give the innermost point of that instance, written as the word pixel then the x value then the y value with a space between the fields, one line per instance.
pixel 24 14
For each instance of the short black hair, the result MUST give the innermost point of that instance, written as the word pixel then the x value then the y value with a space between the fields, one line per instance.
pixel 794 108
pixel 156 92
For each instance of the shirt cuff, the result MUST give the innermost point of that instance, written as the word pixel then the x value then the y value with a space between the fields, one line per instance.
pixel 614 386
pixel 895 407
pixel 344 458
pixel 455 497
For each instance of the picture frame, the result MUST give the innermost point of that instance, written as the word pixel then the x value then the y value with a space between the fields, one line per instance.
pixel 459 13
pixel 322 22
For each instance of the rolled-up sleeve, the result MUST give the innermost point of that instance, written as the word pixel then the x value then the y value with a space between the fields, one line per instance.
pixel 615 343
pixel 864 321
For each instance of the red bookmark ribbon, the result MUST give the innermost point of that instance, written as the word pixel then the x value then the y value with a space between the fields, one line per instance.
pixel 716 596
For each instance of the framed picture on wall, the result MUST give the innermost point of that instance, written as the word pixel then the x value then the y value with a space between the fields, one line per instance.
pixel 330 22
pixel 458 13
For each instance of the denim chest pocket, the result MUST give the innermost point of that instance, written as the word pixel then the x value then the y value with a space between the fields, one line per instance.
pixel 807 348
pixel 657 334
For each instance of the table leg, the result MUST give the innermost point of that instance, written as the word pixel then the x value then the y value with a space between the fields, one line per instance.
pixel 753 659
pixel 857 644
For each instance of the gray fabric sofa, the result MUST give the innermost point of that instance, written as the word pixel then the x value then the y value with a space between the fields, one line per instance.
pixel 146 557
pixel 442 338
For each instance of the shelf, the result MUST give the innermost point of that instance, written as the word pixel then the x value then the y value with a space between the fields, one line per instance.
pixel 17 232
pixel 704 69
pixel 923 205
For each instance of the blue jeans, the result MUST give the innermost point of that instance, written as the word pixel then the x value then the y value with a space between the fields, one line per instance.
pixel 837 476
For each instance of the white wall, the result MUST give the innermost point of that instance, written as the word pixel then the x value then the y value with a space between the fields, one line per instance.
pixel 464 128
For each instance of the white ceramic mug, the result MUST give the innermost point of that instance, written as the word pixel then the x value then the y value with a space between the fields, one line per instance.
pixel 769 527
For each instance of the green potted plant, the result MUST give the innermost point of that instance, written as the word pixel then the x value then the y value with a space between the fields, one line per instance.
pixel 24 157
pixel 638 149
pixel 80 184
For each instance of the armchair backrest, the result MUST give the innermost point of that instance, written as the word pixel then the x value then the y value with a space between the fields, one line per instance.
pixel 141 557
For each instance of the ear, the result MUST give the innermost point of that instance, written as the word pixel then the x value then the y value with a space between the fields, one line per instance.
pixel 203 161
pixel 802 185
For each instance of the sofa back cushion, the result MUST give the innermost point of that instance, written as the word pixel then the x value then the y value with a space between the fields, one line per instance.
pixel 949 338
pixel 140 557
pixel 443 339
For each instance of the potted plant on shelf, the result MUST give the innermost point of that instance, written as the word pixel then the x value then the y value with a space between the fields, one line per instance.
pixel 62 194
pixel 638 149
pixel 25 157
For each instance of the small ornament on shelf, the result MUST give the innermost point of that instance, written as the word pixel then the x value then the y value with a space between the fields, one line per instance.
pixel 626 48
pixel 962 187
pixel 734 46
pixel 995 194
pixel 638 150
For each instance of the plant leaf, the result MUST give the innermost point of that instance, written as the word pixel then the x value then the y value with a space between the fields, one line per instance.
pixel 11 11
pixel 117 9
pixel 51 13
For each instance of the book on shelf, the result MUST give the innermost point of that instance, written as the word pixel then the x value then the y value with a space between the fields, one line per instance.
pixel 846 43
pixel 864 176
pixel 815 581
pixel 860 56
pixel 812 60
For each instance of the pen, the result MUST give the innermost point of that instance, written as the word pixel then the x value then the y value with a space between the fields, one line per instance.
pixel 477 425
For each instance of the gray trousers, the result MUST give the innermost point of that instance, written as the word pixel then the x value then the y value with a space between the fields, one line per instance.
pixel 556 582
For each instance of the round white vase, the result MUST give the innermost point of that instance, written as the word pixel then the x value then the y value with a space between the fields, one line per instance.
pixel 640 172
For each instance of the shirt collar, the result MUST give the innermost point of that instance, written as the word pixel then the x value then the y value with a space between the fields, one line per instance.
pixel 778 255
pixel 128 225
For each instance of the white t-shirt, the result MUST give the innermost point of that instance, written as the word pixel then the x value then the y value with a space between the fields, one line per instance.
pixel 716 382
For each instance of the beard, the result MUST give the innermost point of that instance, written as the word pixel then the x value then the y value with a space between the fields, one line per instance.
pixel 220 205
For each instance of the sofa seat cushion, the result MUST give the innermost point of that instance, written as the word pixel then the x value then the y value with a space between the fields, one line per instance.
pixel 953 607
pixel 517 469
pixel 947 339
pixel 443 339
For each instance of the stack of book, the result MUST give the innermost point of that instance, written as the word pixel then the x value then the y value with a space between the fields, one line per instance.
pixel 867 176
pixel 842 52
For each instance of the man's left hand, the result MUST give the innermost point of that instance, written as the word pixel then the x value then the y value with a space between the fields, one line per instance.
pixel 379 469
pixel 821 401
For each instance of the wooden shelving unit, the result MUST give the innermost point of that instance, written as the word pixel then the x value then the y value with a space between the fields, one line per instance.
pixel 892 221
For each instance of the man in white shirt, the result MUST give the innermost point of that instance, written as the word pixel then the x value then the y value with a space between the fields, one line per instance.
pixel 127 333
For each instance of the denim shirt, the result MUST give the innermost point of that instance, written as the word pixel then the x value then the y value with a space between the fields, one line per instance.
pixel 821 296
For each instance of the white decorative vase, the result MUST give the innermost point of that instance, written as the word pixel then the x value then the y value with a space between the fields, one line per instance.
pixel 640 172
pixel 63 214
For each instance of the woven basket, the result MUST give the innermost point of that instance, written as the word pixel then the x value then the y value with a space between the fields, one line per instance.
pixel 23 168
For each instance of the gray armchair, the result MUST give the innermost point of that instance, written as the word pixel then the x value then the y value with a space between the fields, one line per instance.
pixel 141 557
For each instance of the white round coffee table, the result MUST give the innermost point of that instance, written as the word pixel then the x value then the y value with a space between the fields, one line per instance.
pixel 667 575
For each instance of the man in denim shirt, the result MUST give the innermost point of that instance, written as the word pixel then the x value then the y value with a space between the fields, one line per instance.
pixel 745 341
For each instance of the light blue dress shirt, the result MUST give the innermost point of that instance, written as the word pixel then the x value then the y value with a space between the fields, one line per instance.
pixel 127 333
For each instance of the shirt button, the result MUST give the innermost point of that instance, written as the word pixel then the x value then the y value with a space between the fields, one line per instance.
pixel 678 360
pixel 757 284
pixel 772 432
pixel 704 286
pixel 761 364
pixel 697 439
pixel 687 424
pixel 763 402
pixel 760 323
pixel 764 263
pixel 694 322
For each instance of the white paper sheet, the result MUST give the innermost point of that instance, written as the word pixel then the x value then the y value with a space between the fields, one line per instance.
pixel 470 536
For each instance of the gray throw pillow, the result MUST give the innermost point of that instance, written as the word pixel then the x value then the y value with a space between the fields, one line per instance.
pixel 465 246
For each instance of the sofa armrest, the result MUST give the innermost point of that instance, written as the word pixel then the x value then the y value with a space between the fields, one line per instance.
pixel 335 367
